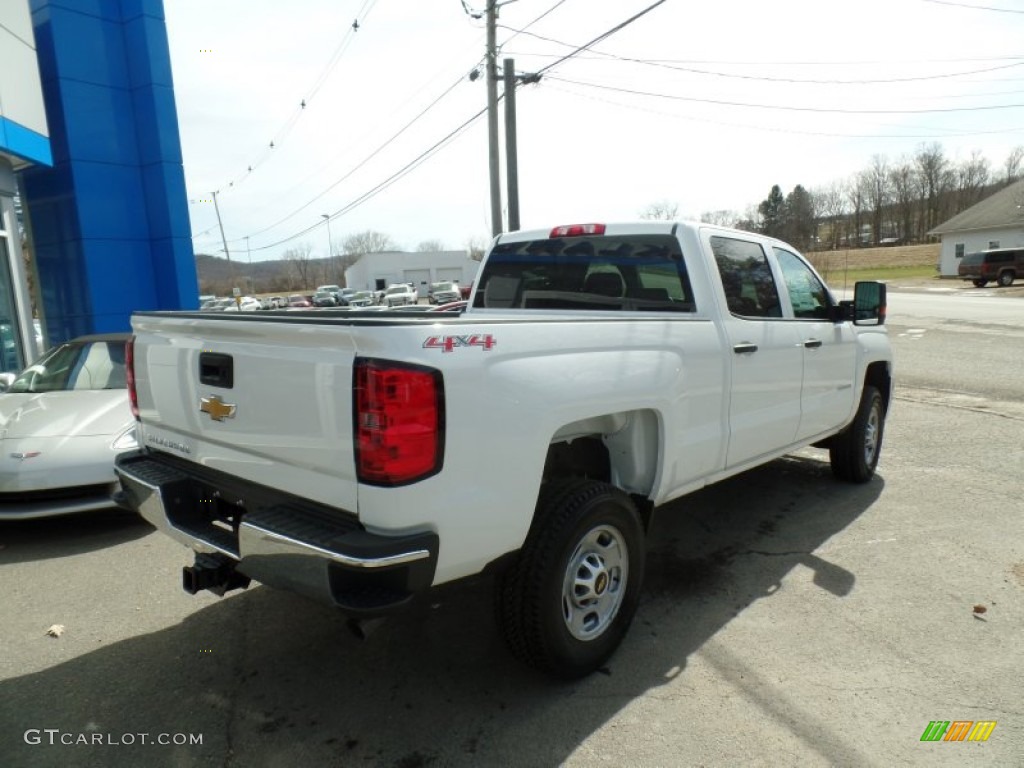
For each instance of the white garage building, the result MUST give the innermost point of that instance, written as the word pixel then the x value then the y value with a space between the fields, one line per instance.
pixel 376 271
pixel 995 222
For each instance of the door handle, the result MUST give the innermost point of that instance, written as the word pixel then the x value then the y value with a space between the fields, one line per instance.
pixel 744 348
pixel 812 343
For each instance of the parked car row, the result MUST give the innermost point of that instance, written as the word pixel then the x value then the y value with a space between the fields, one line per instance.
pixel 325 296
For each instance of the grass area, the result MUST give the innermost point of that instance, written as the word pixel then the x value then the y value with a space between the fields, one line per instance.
pixel 887 274
pixel 902 262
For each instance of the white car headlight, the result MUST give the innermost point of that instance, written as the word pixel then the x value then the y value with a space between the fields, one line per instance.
pixel 126 440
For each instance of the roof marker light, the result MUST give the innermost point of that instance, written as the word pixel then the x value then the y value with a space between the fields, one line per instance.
pixel 576 230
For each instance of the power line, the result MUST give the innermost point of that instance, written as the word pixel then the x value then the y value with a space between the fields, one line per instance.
pixel 788 108
pixel 523 30
pixel 603 36
pixel 283 132
pixel 363 162
pixel 973 7
pixel 403 171
pixel 786 130
pixel 766 78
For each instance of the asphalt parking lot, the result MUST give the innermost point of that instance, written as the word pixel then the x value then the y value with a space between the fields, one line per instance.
pixel 788 619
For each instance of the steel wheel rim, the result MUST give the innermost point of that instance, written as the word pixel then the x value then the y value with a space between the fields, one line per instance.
pixel 595 582
pixel 871 434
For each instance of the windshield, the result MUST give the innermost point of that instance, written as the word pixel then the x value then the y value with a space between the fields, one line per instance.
pixel 75 366
pixel 398 289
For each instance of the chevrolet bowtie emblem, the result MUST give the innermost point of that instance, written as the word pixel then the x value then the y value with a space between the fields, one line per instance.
pixel 217 408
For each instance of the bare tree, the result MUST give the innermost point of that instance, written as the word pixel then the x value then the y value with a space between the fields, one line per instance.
pixel 831 208
pixel 720 218
pixel 934 179
pixel 476 247
pixel 430 246
pixel 904 194
pixel 972 177
pixel 751 220
pixel 1013 165
pixel 878 192
pixel 301 263
pixel 368 242
pixel 663 210
pixel 857 195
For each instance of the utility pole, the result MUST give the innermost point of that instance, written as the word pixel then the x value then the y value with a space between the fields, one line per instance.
pixel 511 152
pixel 330 254
pixel 231 269
pixel 248 255
pixel 492 116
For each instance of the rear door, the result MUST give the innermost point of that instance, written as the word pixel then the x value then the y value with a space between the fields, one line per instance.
pixel 766 358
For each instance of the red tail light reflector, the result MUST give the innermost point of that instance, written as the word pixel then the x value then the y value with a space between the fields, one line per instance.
pixel 576 230
pixel 398 422
pixel 129 374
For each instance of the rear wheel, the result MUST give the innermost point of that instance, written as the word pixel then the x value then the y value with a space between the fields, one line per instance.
pixel 566 603
pixel 980 283
pixel 854 451
pixel 1006 278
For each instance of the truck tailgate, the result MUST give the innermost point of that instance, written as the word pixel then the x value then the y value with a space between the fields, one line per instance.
pixel 266 399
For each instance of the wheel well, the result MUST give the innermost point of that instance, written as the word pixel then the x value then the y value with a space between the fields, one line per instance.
pixel 584 457
pixel 622 449
pixel 879 377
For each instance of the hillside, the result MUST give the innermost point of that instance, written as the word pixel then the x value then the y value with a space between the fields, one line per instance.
pixel 280 275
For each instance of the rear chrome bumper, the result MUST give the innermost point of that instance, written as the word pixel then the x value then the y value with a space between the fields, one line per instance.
pixel 278 539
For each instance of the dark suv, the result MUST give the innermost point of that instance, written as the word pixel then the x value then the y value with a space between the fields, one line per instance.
pixel 1001 265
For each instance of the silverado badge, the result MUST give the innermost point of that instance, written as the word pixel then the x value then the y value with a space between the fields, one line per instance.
pixel 217 408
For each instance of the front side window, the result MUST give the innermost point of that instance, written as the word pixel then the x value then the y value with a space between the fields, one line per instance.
pixel 746 276
pixel 639 273
pixel 807 294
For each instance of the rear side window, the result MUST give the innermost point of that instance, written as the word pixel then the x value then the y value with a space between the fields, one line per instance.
pixel 747 280
pixel 634 273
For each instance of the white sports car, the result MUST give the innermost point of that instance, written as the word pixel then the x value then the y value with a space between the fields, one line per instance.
pixel 62 421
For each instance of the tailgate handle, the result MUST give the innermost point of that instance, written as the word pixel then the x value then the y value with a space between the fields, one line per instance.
pixel 216 369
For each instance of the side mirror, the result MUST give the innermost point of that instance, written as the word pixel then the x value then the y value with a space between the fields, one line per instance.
pixel 869 303
pixel 867 307
pixel 6 379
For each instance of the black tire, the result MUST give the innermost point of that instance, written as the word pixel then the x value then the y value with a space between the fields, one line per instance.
pixel 1006 278
pixel 854 451
pixel 566 603
pixel 980 283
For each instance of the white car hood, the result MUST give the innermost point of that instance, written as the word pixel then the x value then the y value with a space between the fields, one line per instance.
pixel 64 414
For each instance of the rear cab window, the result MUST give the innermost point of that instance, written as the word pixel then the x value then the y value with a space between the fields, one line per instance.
pixel 628 273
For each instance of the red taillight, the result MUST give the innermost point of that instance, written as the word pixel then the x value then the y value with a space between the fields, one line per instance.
pixel 398 422
pixel 576 230
pixel 129 374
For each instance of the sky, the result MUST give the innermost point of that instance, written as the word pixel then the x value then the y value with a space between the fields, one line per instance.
pixel 698 106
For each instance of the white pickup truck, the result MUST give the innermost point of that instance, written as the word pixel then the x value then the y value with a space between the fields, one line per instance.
pixel 598 372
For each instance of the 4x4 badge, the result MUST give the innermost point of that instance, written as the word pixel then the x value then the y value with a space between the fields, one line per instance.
pixel 217 408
